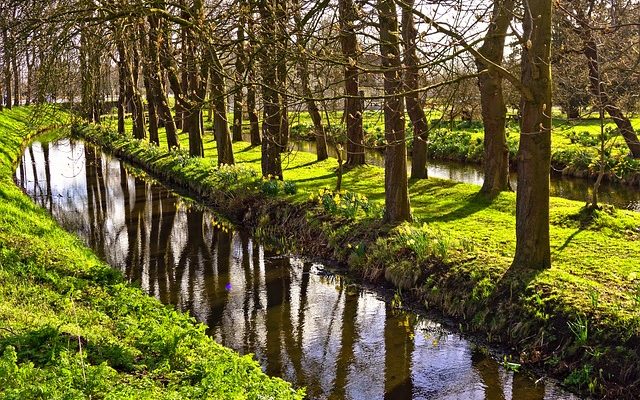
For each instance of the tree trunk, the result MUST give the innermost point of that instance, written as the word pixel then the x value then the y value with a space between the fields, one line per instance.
pixel 352 102
pixel 599 90
pixel 254 127
pixel 251 87
pixel 122 87
pixel 397 208
pixel 220 123
pixel 494 110
pixel 152 98
pixel 414 105
pixel 271 119
pixel 7 66
pixel 196 80
pixel 303 73
pixel 281 54
pixel 534 156
pixel 240 70
pixel 16 73
pixel 132 92
pixel 155 80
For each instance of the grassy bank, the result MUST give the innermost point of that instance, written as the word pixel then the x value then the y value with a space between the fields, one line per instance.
pixel 580 319
pixel 71 328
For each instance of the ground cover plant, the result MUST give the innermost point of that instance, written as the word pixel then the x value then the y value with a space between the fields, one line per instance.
pixel 70 327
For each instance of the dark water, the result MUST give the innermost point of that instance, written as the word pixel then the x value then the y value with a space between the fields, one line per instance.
pixel 302 323
pixel 621 196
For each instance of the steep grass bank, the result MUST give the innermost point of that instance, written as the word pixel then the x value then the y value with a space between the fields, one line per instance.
pixel 71 328
pixel 580 319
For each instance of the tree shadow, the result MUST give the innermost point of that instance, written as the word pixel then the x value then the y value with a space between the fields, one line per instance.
pixel 248 148
pixel 315 178
pixel 307 164
pixel 471 204
pixel 569 239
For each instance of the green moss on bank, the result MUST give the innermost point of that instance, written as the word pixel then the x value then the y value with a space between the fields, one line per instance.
pixel 583 314
pixel 71 328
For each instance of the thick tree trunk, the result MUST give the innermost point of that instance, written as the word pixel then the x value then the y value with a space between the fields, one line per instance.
pixel 29 58
pixel 272 106
pixel 352 102
pixel 155 80
pixel 122 87
pixel 494 110
pixel 281 53
pixel 534 156
pixel 197 71
pixel 239 73
pixel 312 107
pixel 132 92
pixel 397 208
pixel 599 90
pixel 220 123
pixel 414 105
pixel 152 98
pixel 254 127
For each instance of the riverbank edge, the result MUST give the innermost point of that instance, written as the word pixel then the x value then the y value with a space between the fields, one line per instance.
pixel 544 344
pixel 78 356
pixel 566 163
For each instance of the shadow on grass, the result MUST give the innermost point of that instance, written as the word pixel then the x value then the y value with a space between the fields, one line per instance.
pixel 246 149
pixel 307 164
pixel 315 178
pixel 468 206
pixel 569 239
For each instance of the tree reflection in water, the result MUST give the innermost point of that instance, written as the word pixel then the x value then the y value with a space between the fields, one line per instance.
pixel 309 327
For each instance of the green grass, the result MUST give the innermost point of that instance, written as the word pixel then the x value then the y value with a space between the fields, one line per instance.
pixel 71 328
pixel 574 143
pixel 458 252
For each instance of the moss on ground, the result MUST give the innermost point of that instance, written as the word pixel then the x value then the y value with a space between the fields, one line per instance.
pixel 71 328
pixel 580 319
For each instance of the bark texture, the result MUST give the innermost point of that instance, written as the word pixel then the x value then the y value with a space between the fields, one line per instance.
pixel 414 104
pixel 352 102
pixel 534 156
pixel 397 207
pixel 494 110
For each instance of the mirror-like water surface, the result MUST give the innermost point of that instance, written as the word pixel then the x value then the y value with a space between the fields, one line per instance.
pixel 621 196
pixel 302 323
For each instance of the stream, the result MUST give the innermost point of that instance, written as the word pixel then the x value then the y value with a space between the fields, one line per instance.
pixel 301 321
pixel 622 196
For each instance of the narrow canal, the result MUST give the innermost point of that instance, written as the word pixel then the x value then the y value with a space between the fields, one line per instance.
pixel 302 322
pixel 622 196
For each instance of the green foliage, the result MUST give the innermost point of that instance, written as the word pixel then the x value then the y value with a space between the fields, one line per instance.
pixel 580 330
pixel 270 187
pixel 72 329
pixel 290 188
pixel 232 175
pixel 345 203
pixel 582 378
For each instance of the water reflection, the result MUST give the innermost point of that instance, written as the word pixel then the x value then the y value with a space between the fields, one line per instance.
pixel 302 323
